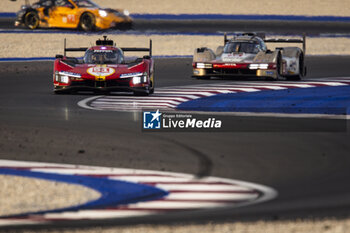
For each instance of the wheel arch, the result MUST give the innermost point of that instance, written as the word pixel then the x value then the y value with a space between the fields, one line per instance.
pixel 85 12
pixel 30 9
pixel 203 54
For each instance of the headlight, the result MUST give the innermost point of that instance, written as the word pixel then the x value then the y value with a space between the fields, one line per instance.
pixel 136 80
pixel 144 78
pixel 264 66
pixel 204 65
pixel 140 79
pixel 129 75
pixel 61 78
pixel 70 74
pixel 102 13
pixel 258 66
pixel 64 79
pixel 126 12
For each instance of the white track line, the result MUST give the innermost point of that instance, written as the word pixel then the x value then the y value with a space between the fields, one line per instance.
pixel 169 98
pixel 185 192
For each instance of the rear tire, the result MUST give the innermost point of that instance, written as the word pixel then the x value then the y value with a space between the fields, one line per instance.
pixel 87 22
pixel 302 70
pixel 151 90
pixel 31 20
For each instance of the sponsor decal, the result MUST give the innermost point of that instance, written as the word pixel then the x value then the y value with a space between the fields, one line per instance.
pixel 103 51
pixel 68 19
pixel 71 18
pixel 232 57
pixel 292 67
pixel 100 73
pixel 129 75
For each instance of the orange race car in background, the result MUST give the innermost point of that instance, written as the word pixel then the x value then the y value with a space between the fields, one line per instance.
pixel 82 14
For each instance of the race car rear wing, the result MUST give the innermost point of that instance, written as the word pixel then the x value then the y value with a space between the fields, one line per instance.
pixel 302 41
pixel 130 49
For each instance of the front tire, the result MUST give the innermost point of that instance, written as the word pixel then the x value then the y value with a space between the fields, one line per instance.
pixel 87 22
pixel 279 66
pixel 60 92
pixel 141 93
pixel 31 20
pixel 151 91
pixel 202 77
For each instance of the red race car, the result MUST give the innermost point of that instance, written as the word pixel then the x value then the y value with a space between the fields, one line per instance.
pixel 104 68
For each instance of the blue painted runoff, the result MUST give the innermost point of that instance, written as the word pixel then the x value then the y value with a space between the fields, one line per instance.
pixel 224 17
pixel 113 192
pixel 314 100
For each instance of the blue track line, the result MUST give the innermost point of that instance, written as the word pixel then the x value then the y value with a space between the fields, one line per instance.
pixel 152 33
pixel 113 192
pixel 225 17
pixel 7 15
pixel 19 59
pixel 316 100
pixel 240 17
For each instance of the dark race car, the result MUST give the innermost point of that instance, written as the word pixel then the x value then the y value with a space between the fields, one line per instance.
pixel 104 68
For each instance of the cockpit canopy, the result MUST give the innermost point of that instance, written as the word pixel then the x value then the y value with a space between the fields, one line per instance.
pixel 104 56
pixel 242 47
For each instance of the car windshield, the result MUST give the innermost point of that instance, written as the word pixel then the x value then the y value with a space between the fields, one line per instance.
pixel 241 47
pixel 45 3
pixel 103 57
pixel 85 3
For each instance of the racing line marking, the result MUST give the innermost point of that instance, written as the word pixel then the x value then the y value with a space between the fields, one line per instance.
pixel 168 98
pixel 183 192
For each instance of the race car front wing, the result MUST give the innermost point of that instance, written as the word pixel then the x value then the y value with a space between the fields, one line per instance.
pixel 201 69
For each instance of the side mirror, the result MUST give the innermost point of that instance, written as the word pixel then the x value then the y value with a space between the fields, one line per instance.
pixel 146 57
pixel 59 56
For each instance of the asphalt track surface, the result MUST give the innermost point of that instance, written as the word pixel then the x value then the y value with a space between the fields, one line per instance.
pixel 214 26
pixel 310 170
